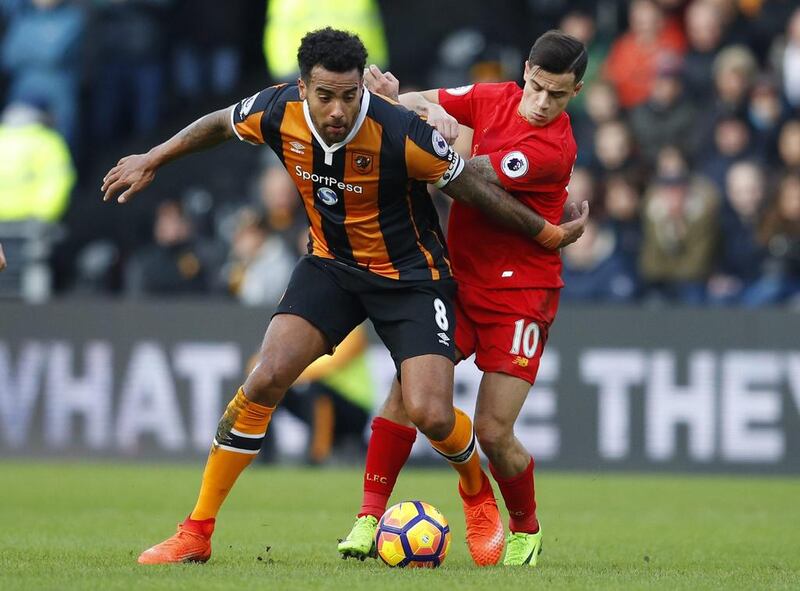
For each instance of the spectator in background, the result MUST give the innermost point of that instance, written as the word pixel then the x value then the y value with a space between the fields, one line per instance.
pixel 671 161
pixel 621 206
pixel 207 57
pixel 734 70
pixel 632 62
pixel 260 263
pixel 667 118
pixel 765 113
pixel 177 263
pixel 288 20
pixel 278 198
pixel 131 48
pixel 789 146
pixel 680 230
pixel 36 172
pixel 732 142
pixel 789 61
pixel 779 232
pixel 602 106
pixel 740 261
pixel 334 397
pixel 614 149
pixel 594 271
pixel 41 54
pixel 704 32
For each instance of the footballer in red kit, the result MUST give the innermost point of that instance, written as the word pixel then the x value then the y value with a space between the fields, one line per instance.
pixel 508 289
pixel 506 329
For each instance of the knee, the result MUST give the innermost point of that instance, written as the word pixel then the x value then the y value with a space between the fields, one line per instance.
pixel 493 436
pixel 435 421
pixel 268 381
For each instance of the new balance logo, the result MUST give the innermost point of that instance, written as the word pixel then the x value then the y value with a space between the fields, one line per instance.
pixel 444 339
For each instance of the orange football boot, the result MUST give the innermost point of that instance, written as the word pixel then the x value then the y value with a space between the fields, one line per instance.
pixel 192 543
pixel 485 534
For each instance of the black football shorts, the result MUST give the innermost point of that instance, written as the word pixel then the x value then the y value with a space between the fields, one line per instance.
pixel 412 318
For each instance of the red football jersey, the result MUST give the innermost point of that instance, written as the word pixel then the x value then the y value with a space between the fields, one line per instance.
pixel 533 163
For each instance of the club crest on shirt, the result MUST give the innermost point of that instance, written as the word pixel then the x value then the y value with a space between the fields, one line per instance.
pixel 514 164
pixel 440 145
pixel 459 90
pixel 362 163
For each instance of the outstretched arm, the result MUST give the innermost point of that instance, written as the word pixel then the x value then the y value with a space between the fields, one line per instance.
pixel 472 188
pixel 134 173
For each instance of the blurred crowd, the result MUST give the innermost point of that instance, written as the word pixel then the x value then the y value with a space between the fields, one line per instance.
pixel 688 132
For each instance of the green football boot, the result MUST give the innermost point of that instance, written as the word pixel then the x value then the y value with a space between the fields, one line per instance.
pixel 523 549
pixel 360 542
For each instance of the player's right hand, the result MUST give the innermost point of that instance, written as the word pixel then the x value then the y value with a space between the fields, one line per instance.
pixel 573 229
pixel 130 175
pixel 443 122
pixel 381 83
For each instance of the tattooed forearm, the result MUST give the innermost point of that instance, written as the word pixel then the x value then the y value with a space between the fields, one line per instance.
pixel 206 132
pixel 483 166
pixel 471 188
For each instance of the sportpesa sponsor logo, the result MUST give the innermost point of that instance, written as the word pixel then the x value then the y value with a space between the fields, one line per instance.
pixel 329 181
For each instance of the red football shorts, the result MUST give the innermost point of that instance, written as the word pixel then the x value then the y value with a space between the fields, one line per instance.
pixel 506 329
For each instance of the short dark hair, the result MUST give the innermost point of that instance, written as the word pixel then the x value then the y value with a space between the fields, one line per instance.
pixel 559 53
pixel 334 50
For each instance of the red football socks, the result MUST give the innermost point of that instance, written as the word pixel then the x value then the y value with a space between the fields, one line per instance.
pixel 520 497
pixel 389 448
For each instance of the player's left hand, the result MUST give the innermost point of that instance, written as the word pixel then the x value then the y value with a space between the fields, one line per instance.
pixel 2 258
pixel 381 82
pixel 573 229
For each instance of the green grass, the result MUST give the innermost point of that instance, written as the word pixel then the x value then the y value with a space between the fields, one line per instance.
pixel 81 526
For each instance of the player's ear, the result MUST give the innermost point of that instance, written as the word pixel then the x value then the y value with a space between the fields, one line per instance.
pixel 527 69
pixel 302 89
pixel 578 88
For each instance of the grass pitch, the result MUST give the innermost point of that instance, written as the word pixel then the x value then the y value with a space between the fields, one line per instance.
pixel 81 526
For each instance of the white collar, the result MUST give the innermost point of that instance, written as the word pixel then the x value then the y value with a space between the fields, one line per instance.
pixel 329 150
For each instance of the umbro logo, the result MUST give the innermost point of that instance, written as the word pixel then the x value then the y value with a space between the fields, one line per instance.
pixel 297 148
pixel 444 339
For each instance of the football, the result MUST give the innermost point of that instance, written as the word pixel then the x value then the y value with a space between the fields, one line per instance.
pixel 413 534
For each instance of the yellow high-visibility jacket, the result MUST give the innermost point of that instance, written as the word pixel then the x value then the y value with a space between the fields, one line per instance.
pixel 289 20
pixel 36 173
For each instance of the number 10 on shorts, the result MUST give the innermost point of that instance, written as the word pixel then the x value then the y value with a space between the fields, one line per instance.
pixel 526 338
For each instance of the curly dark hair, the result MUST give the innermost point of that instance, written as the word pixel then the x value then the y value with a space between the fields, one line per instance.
pixel 334 50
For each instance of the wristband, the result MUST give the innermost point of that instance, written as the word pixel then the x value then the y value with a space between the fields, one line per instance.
pixel 550 236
